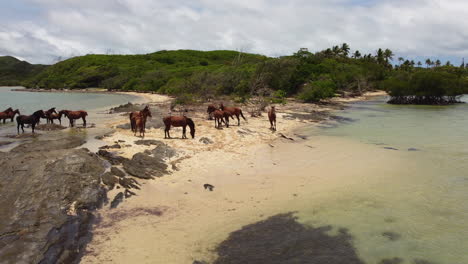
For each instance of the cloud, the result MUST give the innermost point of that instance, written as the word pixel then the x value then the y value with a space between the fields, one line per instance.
pixel 41 30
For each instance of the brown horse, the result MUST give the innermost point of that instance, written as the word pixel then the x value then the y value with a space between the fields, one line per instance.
pixel 178 121
pixel 32 120
pixel 49 112
pixel 9 114
pixel 73 115
pixel 144 113
pixel 139 122
pixel 51 117
pixel 272 118
pixel 210 110
pixel 220 117
pixel 233 111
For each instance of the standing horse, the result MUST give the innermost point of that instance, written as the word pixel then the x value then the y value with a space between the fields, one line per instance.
pixel 144 113
pixel 53 116
pixel 233 111
pixel 9 114
pixel 210 110
pixel 220 117
pixel 72 115
pixel 139 122
pixel 32 120
pixel 49 112
pixel 272 118
pixel 178 121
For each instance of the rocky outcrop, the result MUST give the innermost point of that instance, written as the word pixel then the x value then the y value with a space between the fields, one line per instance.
pixel 47 190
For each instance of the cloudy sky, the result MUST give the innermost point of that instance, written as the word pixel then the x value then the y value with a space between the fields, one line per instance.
pixel 41 31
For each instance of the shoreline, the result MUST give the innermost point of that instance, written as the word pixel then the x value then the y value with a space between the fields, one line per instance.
pixel 230 146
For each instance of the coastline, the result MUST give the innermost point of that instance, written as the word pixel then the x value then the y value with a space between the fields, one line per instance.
pixel 231 162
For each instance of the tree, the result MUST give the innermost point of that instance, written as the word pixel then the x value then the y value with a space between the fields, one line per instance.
pixel 388 55
pixel 401 59
pixel 345 49
pixel 336 50
pixel 438 63
pixel 419 64
pixel 448 63
pixel 428 63
pixel 380 56
pixel 357 54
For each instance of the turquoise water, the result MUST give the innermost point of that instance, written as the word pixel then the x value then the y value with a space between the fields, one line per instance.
pixel 29 102
pixel 420 195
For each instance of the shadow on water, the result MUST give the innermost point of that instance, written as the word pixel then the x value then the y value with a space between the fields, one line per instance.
pixel 281 239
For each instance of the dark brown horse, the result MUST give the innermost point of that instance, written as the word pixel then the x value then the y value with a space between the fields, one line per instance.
pixel 49 112
pixel 220 117
pixel 139 122
pixel 73 115
pixel 9 114
pixel 51 117
pixel 144 113
pixel 210 110
pixel 178 121
pixel 233 111
pixel 32 120
pixel 272 118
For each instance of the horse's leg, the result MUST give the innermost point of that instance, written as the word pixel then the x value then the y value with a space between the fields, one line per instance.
pixel 60 120
pixel 18 126
pixel 238 120
pixel 33 125
pixel 184 128
pixel 22 127
pixel 84 121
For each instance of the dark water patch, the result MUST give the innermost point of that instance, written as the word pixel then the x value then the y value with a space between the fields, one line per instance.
pixel 395 260
pixel 413 149
pixel 4 143
pixel 342 119
pixel 314 116
pixel 281 239
pixel 392 236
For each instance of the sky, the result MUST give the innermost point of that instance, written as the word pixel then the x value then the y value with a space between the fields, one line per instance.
pixel 45 31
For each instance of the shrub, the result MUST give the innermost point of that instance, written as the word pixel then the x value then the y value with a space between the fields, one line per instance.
pixel 317 90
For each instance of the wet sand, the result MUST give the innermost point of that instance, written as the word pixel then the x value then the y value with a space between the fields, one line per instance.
pixel 256 173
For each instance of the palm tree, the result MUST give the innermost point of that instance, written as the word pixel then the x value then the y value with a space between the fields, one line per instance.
pixel 401 59
pixel 345 49
pixel 438 63
pixel 357 54
pixel 448 63
pixel 419 64
pixel 336 50
pixel 388 55
pixel 428 63
pixel 380 56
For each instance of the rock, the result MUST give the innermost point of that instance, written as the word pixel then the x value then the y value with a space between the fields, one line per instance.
pixel 100 137
pixel 206 140
pixel 4 143
pixel 391 261
pixel 129 183
pixel 283 136
pixel 208 186
pixel 199 262
pixel 50 127
pixel 117 172
pixel 148 142
pixel 163 151
pixel 112 158
pixel 117 200
pixel 391 235
pixel 109 179
pixel 115 146
pixel 47 190
pixel 390 148
pixel 413 149
pixel 124 126
pixel 46 145
pixel 145 167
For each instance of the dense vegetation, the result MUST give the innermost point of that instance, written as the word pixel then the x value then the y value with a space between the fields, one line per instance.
pixel 14 71
pixel 309 76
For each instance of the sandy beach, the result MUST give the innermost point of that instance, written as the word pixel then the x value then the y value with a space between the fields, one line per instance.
pixel 256 173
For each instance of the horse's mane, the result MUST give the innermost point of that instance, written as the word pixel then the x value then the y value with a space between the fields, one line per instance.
pixel 8 109
pixel 38 112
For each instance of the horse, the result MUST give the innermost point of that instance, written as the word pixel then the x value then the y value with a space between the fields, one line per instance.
pixel 178 121
pixel 145 113
pixel 139 122
pixel 32 120
pixel 72 115
pixel 210 110
pixel 9 114
pixel 49 112
pixel 272 118
pixel 53 116
pixel 233 111
pixel 220 116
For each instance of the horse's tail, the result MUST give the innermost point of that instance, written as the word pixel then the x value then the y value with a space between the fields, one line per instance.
pixel 242 115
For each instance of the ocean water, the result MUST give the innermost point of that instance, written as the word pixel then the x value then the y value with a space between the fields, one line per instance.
pixel 29 102
pixel 412 206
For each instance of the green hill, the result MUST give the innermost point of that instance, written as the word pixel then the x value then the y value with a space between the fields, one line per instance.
pixel 14 71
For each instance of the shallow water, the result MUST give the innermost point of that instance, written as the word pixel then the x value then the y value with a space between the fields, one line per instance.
pixel 413 209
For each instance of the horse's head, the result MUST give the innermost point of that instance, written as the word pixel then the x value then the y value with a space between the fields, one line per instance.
pixel 211 109
pixel 191 124
pixel 147 111
pixel 273 108
pixel 39 114
pixel 63 112
pixel 52 110
pixel 17 112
